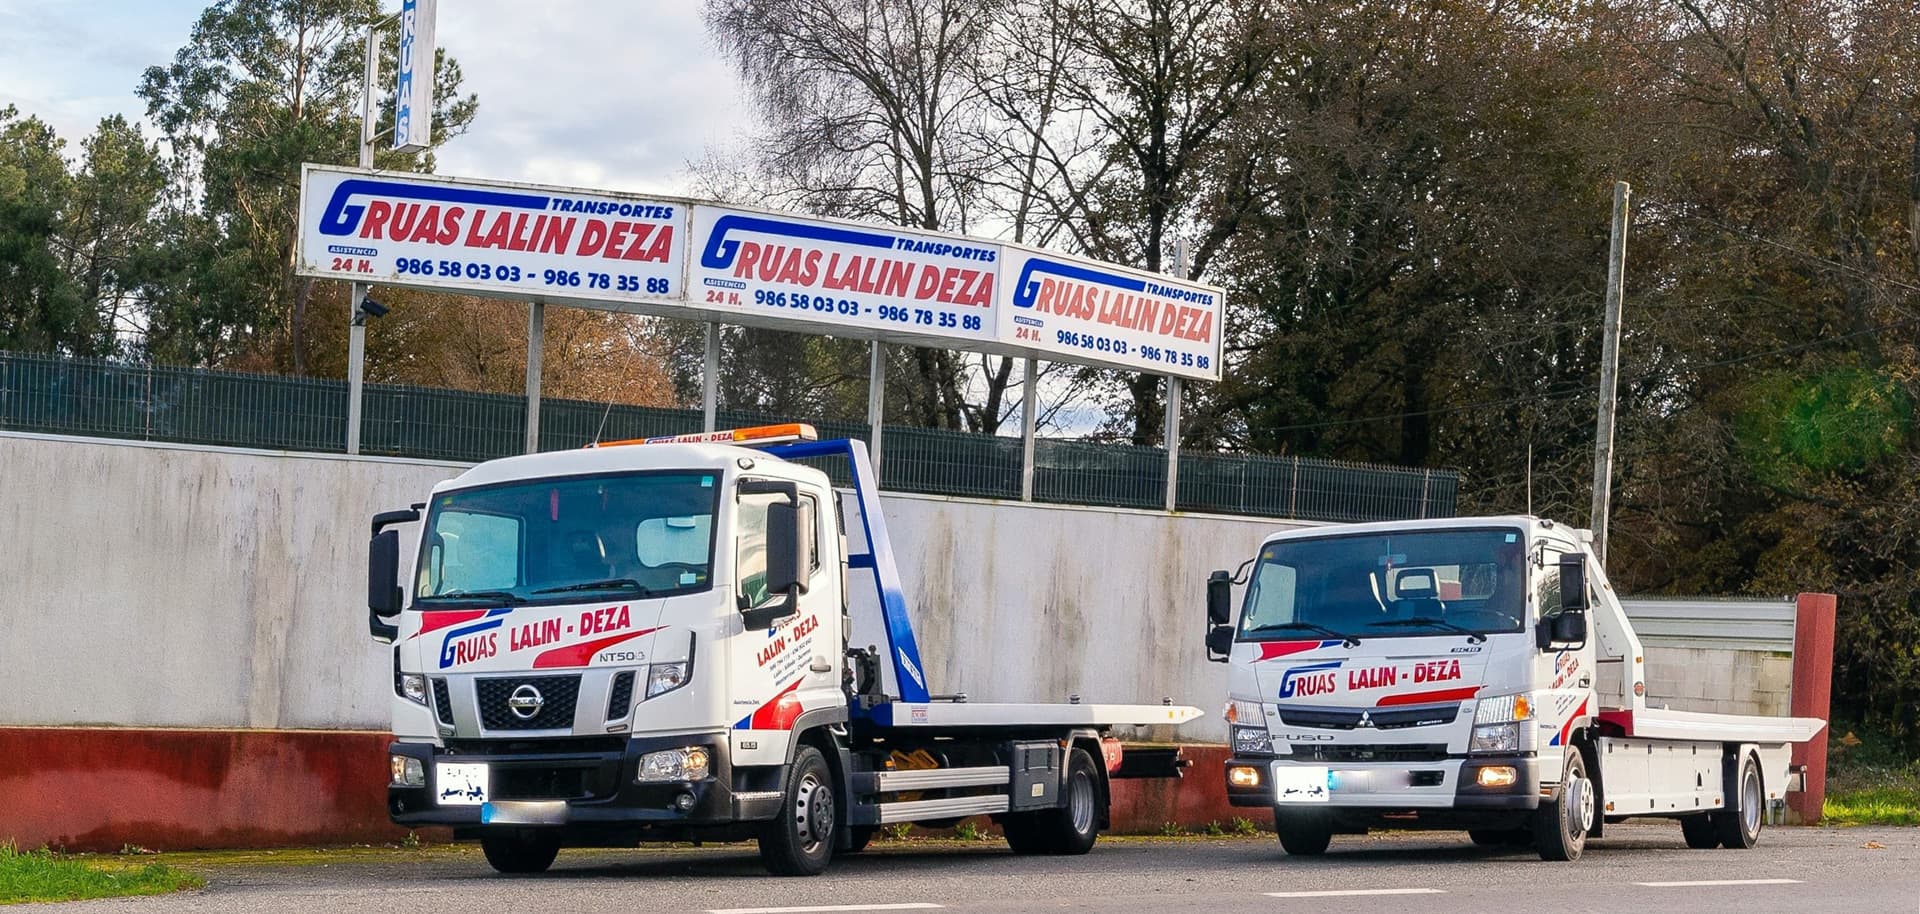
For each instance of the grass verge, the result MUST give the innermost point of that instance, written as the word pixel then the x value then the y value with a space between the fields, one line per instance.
pixel 1870 781
pixel 46 876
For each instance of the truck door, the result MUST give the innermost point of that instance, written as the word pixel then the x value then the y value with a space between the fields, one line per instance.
pixel 1563 671
pixel 791 667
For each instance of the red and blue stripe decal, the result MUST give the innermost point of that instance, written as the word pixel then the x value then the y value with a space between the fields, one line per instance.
pixel 1566 729
pixel 777 714
pixel 1270 650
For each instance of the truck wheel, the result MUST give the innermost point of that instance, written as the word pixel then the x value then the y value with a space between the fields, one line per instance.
pixel 1303 833
pixel 1067 830
pixel 799 841
pixel 1699 831
pixel 521 853
pixel 1560 827
pixel 1739 825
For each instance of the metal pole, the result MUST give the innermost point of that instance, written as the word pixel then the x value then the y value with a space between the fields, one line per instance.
pixel 1173 397
pixel 876 401
pixel 1029 404
pixel 357 327
pixel 710 379
pixel 1609 371
pixel 536 346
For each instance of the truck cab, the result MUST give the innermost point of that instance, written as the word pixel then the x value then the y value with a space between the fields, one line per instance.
pixel 1446 674
pixel 677 639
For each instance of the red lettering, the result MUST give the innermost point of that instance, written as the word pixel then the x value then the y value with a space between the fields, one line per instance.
pixel 520 240
pixel 427 226
pixel 616 240
pixel 595 237
pixel 498 232
pixel 559 230
pixel 377 213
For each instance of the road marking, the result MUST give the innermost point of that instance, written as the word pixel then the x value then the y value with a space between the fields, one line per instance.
pixel 805 909
pixel 1675 885
pixel 1338 893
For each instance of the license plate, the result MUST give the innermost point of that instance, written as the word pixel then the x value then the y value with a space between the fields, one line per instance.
pixel 1294 784
pixel 460 785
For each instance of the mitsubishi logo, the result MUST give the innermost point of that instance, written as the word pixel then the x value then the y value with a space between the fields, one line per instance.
pixel 1366 719
pixel 525 702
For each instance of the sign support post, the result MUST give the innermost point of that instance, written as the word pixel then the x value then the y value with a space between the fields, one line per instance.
pixel 876 400
pixel 1173 397
pixel 1029 402
pixel 357 327
pixel 710 379
pixel 536 345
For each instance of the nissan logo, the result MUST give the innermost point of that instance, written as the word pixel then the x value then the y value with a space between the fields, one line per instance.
pixel 525 702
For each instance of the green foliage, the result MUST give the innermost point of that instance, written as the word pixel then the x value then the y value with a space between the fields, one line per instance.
pixel 968 831
pixel 1841 422
pixel 45 876
pixel 1244 827
pixel 1171 830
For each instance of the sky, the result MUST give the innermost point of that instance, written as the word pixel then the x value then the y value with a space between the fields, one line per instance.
pixel 610 94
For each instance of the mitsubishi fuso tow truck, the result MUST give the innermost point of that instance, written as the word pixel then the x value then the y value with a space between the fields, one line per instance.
pixel 692 638
pixel 1467 673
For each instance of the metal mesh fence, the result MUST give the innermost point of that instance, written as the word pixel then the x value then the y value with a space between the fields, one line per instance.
pixel 76 396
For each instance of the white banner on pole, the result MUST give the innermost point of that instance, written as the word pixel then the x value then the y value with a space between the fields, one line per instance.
pixel 413 87
pixel 679 258
pixel 512 241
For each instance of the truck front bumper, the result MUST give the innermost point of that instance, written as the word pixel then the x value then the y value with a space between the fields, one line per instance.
pixel 587 788
pixel 1451 783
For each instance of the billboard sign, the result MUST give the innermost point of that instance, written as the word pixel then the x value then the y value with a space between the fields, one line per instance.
pixel 506 240
pixel 842 276
pixel 413 88
pixel 679 258
pixel 1112 315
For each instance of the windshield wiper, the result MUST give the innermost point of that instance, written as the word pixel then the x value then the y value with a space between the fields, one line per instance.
pixel 608 584
pixel 1473 637
pixel 1345 639
pixel 496 595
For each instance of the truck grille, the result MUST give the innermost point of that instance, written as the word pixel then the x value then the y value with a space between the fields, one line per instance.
pixel 558 695
pixel 509 783
pixel 1378 718
pixel 621 701
pixel 442 702
pixel 1371 752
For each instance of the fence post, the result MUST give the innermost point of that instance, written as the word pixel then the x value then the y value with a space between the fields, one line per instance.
pixel 1426 486
pixel 1812 696
pixel 1293 493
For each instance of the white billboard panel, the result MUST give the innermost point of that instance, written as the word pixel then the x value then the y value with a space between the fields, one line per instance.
pixel 515 241
pixel 413 87
pixel 1072 309
pixel 845 276
pixel 659 255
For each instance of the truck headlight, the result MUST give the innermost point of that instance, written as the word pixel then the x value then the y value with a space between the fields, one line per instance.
pixel 665 677
pixel 1502 709
pixel 1252 741
pixel 1245 713
pixel 1495 738
pixel 689 764
pixel 406 771
pixel 412 687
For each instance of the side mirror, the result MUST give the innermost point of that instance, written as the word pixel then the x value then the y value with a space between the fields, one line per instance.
pixel 1573 584
pixel 1569 628
pixel 383 588
pixel 789 562
pixel 1219 598
pixel 1219 643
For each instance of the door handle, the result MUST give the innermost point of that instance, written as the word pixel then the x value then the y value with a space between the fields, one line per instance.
pixel 820 665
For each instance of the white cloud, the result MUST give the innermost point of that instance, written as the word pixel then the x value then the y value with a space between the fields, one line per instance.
pixel 598 93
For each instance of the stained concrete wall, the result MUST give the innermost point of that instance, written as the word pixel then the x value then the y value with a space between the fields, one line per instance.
pixel 1715 679
pixel 152 585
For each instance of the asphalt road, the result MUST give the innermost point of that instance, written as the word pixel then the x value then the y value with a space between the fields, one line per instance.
pixel 1638 869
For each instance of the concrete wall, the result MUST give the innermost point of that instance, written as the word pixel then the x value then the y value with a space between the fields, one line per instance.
pixel 158 585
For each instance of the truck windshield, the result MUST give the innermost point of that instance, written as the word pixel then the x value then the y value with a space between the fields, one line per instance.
pixel 1439 582
pixel 570 538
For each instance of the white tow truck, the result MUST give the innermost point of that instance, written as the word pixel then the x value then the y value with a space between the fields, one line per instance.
pixel 1474 673
pixel 693 639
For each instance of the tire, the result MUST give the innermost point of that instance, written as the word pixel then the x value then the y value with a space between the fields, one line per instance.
pixel 521 853
pixel 1500 837
pixel 1560 826
pixel 858 837
pixel 799 841
pixel 1699 831
pixel 1738 826
pixel 1303 833
pixel 1065 831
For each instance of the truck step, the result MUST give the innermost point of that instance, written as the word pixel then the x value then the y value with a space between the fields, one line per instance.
pixel 950 807
pixel 938 779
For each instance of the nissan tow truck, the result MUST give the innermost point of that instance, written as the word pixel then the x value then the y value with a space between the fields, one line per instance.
pixel 1467 673
pixel 699 638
